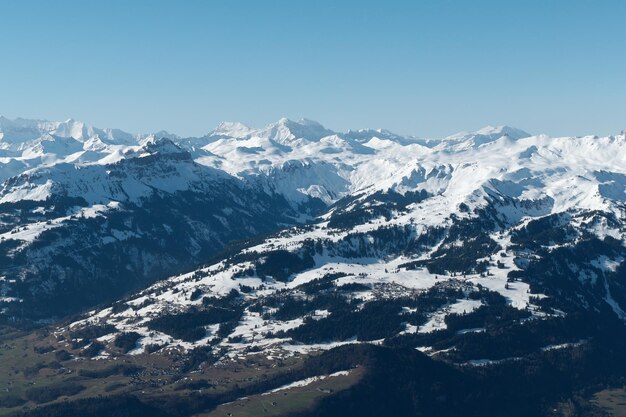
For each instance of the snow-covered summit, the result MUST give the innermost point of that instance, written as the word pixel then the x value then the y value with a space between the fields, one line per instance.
pixel 500 131
pixel 163 146
pixel 283 131
pixel 465 140
pixel 364 135
pixel 20 130
pixel 493 132
pixel 231 129
pixel 286 130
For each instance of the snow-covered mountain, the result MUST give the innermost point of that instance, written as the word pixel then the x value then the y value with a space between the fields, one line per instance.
pixel 75 234
pixel 304 161
pixel 67 179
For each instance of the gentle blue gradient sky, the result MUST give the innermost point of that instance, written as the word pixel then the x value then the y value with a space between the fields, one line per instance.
pixel 428 68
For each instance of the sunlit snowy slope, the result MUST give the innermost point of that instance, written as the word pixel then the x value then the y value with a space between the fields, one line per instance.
pixel 383 238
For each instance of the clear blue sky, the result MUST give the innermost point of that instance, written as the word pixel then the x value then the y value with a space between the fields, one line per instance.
pixel 428 68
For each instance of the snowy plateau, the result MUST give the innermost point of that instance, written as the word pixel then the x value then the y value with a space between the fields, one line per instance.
pixel 270 244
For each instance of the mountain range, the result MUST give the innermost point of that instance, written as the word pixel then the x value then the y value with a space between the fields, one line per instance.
pixel 364 250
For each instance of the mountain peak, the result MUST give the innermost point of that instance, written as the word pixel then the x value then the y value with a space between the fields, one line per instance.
pixel 487 134
pixel 284 121
pixel 163 146
pixel 503 130
pixel 286 130
pixel 364 135
pixel 232 129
